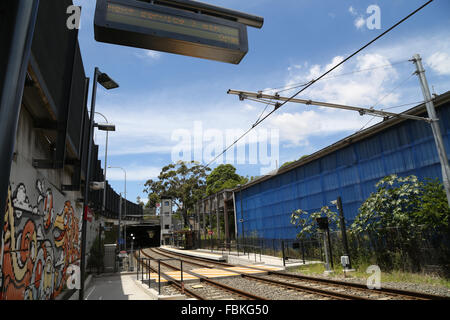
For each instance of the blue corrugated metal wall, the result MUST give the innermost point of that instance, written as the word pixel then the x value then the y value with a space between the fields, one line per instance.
pixel 351 172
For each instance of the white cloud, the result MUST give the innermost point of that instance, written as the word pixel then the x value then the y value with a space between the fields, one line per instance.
pixel 134 173
pixel 359 22
pixel 153 54
pixel 249 107
pixel 364 89
pixel 439 62
pixel 296 128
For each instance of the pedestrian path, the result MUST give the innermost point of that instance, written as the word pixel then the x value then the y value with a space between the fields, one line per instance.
pixel 115 287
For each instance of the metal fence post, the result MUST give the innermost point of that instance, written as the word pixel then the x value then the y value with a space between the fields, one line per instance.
pixel 149 273
pixel 303 250
pixel 142 270
pixel 139 264
pixel 329 245
pixel 182 283
pixel 159 276
pixel 343 231
pixel 282 252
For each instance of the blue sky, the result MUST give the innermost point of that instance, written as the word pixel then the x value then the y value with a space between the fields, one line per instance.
pixel 163 95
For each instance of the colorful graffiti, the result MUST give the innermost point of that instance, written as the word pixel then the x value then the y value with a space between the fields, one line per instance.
pixel 39 243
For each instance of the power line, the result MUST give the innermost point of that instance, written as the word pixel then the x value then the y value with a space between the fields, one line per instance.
pixel 384 97
pixel 297 85
pixel 278 105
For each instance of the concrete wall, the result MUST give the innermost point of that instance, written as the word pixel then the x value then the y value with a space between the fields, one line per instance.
pixel 166 218
pixel 42 229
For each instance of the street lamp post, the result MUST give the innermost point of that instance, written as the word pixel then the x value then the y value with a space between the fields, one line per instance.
pixel 125 194
pixel 105 127
pixel 118 232
pixel 131 259
pixel 108 84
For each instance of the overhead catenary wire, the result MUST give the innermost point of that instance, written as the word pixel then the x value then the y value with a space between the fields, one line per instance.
pixel 320 77
pixel 384 97
pixel 297 85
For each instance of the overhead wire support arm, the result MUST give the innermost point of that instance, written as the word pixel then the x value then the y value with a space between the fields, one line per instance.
pixel 362 111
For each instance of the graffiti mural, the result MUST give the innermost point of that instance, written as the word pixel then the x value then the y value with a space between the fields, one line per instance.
pixel 40 240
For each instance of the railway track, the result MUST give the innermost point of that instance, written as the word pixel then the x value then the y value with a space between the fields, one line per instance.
pixel 324 287
pixel 172 287
pixel 210 289
pixel 308 292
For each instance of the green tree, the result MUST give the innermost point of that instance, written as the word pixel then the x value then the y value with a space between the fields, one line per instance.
pixel 223 177
pixel 307 224
pixel 403 203
pixel 140 202
pixel 153 199
pixel 185 182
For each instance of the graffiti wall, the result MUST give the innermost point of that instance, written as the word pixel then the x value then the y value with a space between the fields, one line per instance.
pixel 41 239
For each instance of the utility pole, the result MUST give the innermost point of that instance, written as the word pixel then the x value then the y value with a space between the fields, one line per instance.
pixel 343 230
pixel 434 124
pixel 118 235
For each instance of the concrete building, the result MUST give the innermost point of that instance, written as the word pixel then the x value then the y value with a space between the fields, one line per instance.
pixel 166 220
pixel 216 212
pixel 41 235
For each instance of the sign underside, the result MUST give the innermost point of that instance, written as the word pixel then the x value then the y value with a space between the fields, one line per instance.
pixel 156 27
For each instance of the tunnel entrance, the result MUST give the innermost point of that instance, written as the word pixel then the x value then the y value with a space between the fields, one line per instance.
pixel 146 236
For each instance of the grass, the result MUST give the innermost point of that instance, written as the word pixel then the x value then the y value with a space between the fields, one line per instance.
pixel 394 276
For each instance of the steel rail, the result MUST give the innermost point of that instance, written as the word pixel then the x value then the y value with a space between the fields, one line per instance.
pixel 362 287
pixel 171 282
pixel 389 291
pixel 280 283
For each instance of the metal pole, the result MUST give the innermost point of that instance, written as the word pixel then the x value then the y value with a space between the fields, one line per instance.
pixel 125 211
pixel 242 217
pixel 303 251
pixel 282 252
pixel 99 246
pixel 17 43
pixel 86 184
pixel 434 124
pixel 149 273
pixel 210 225
pixel 327 260
pixel 343 230
pixel 119 235
pixel 159 277
pixel 105 166
pixel 329 245
pixel 131 260
pixel 139 263
pixel 182 283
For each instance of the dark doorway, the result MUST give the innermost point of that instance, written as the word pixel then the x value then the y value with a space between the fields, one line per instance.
pixel 146 236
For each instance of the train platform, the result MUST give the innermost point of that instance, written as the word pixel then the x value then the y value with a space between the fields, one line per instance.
pixel 196 253
pixel 272 263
